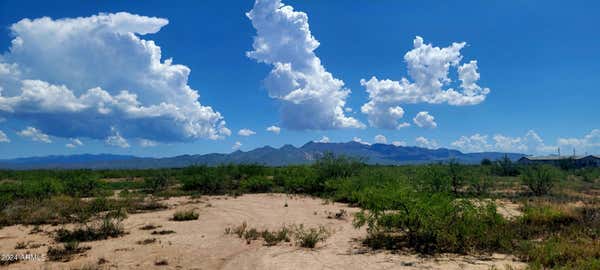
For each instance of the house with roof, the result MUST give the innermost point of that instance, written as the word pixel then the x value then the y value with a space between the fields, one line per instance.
pixel 576 161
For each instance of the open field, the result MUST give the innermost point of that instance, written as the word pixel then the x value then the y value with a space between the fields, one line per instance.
pixel 202 243
pixel 335 214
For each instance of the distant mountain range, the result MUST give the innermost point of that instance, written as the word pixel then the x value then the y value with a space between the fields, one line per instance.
pixel 384 154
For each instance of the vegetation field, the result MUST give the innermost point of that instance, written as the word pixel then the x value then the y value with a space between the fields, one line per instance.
pixel 545 217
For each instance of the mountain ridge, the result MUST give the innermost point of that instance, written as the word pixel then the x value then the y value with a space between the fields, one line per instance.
pixel 385 154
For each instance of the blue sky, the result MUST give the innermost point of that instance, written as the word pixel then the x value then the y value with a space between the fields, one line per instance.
pixel 539 61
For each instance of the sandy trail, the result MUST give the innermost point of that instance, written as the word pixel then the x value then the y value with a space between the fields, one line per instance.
pixel 202 243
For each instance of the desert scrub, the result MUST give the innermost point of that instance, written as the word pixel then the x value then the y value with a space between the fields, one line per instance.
pixel 184 215
pixel 256 184
pixel 271 238
pixel 66 252
pixel 540 178
pixel 430 223
pixel 162 232
pixel 275 237
pixel 309 237
pixel 109 227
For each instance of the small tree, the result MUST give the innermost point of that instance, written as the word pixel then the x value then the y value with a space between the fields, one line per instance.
pixel 540 178
pixel 505 167
pixel 156 183
pixel 455 172
pixel 486 162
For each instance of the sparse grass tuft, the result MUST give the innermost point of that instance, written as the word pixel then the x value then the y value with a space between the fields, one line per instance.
pixel 66 252
pixel 146 241
pixel 308 238
pixel 162 232
pixel 148 227
pixel 185 215
pixel 109 227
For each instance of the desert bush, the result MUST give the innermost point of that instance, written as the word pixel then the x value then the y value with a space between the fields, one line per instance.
pixel 560 252
pixel 505 167
pixel 107 227
pixel 66 252
pixel 275 237
pixel 205 181
pixel 330 166
pixel 184 215
pixel 539 178
pixel 256 184
pixel 429 223
pixel 434 179
pixel 456 173
pixel 146 241
pixel 163 232
pixel 156 183
pixel 251 235
pixel 309 237
pixel 148 227
pixel 81 185
pixel 480 181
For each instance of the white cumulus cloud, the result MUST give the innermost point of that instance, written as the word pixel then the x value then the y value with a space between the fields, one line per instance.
pixel 3 137
pixel 399 143
pixel 246 132
pixel 426 143
pixel 236 146
pixel 78 77
pixel 425 120
pixel 359 140
pixel 324 139
pixel 116 140
pixel 35 135
pixel 530 143
pixel 310 97
pixel 428 68
pixel 147 143
pixel 274 129
pixel 74 143
pixel 473 143
pixel 589 143
pixel 380 139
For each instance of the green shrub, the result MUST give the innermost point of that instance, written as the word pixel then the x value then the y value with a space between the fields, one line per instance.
pixel 157 183
pixel 505 167
pixel 430 223
pixel 81 185
pixel 108 227
pixel 256 184
pixel 539 178
pixel 308 238
pixel 434 178
pixel 185 215
pixel 330 166
pixel 66 252
pixel 274 238
pixel 206 181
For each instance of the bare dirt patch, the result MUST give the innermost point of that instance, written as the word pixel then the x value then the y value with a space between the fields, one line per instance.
pixel 203 244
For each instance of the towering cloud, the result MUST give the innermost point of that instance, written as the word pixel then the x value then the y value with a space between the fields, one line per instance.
pixel 311 98
pixel 428 68
pixel 425 120
pixel 90 76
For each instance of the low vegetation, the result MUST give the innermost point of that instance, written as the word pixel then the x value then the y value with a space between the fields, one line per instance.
pixel 185 215
pixel 429 209
pixel 65 252
pixel 305 237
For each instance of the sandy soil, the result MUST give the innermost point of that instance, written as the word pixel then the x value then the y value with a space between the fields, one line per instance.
pixel 202 243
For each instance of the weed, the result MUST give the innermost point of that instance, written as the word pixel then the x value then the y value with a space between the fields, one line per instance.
pixel 308 238
pixel 185 215
pixel 162 232
pixel 66 252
